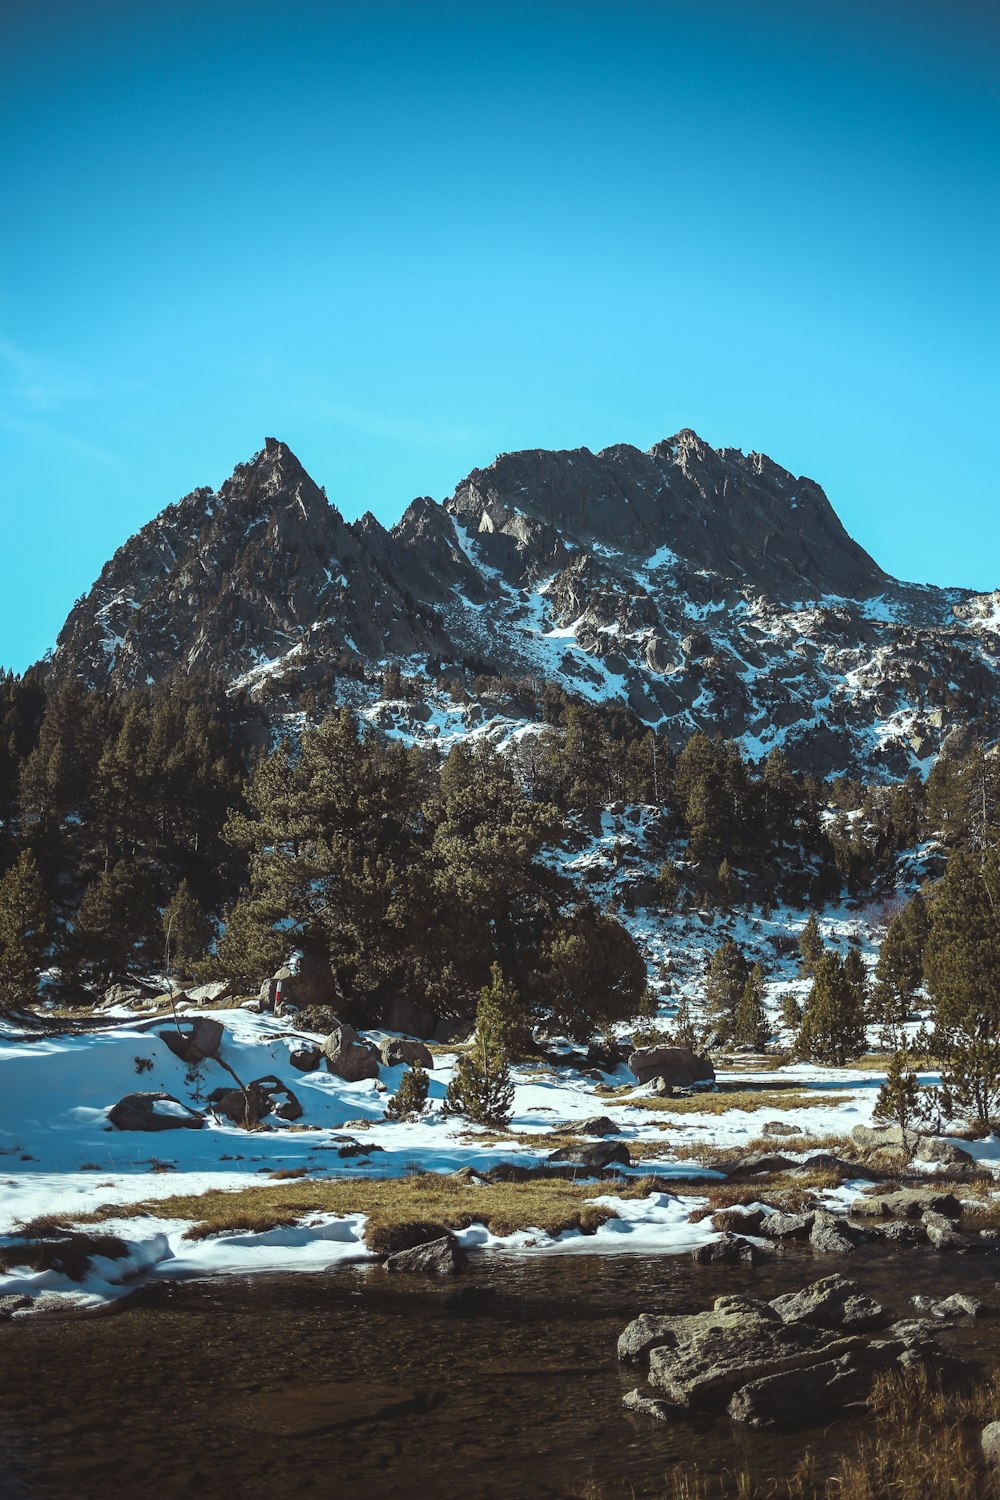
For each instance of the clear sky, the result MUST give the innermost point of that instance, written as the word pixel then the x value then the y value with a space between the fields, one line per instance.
pixel 405 238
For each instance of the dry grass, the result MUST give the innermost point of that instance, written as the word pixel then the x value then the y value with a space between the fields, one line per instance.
pixel 791 1192
pixel 722 1101
pixel 68 1251
pixel 548 1204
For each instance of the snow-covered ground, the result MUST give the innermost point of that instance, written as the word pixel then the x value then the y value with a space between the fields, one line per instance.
pixel 60 1156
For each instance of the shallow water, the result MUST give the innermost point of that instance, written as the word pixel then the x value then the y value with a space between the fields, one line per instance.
pixel 502 1383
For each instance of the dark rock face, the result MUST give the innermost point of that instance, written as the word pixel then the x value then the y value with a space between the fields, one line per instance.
pixel 196 1041
pixel 263 1097
pixel 677 569
pixel 153 1112
pixel 594 1158
pixel 677 1066
pixel 396 1050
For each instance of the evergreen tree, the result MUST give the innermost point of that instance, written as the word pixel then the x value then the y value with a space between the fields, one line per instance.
pixel 25 922
pixel 832 1029
pixel 728 887
pixel 856 975
pixel 810 945
pixel 727 977
pixel 899 970
pixel 751 1026
pixel 411 1096
pixel 116 917
pixel 962 967
pixel 684 1033
pixel 481 1089
pixel 187 930
pixel 588 973
pixel 791 1012
pixel 898 1101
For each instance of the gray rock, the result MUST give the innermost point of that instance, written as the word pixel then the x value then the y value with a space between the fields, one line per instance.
pixel 598 1125
pixel 834 1303
pixel 798 1398
pixel 139 1112
pixel 958 1305
pixel 262 1097
pixel 906 1203
pixel 942 1233
pixel 933 1149
pixel 831 1236
pixel 759 1164
pixel 442 1257
pixel 990 1439
pixel 395 1050
pixel 897 1231
pixel 197 1040
pixel 648 1406
pixel 594 1158
pixel 740 1340
pixel 883 1137
pixel 348 1056
pixel 780 1128
pixel 780 1226
pixel 728 1249
pixel 677 1066
pixel 648 1331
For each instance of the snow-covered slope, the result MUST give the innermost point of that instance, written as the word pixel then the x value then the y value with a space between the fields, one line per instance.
pixel 695 587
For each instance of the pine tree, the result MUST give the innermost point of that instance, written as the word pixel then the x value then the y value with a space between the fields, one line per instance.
pixel 727 976
pixel 832 1029
pixel 728 887
pixel 791 1012
pixel 411 1096
pixel 810 945
pixel 899 970
pixel 115 916
pixel 684 1032
pixel 962 966
pixel 25 922
pixel 187 930
pixel 898 1099
pixel 751 1027
pixel 588 973
pixel 481 1089
pixel 856 975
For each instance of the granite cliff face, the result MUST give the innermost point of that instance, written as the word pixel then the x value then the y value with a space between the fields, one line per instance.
pixel 697 587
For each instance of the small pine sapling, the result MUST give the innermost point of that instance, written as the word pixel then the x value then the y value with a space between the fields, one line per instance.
pixel 409 1099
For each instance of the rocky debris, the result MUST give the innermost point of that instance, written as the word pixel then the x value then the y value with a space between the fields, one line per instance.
pixel 262 1097
pixel 990 1440
pixel 782 1226
pixel 906 1203
pixel 728 1249
pixel 942 1233
pixel 958 1305
pixel 598 1125
pixel 305 1059
pixel 834 1303
pixel 124 994
pixel 780 1128
pixel 15 1302
pixel 594 1158
pixel 196 1040
pixel 792 1363
pixel 153 1111
pixel 870 1138
pixel 678 1067
pixel 349 1056
pixel 396 1050
pixel 897 1231
pixel 211 993
pixel 832 1236
pixel 441 1257
pixel 759 1164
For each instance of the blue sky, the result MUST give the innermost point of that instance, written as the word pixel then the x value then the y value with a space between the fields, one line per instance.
pixel 404 238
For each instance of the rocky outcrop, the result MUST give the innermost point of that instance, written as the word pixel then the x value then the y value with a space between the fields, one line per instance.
pixel 194 1041
pixel 154 1112
pixel 441 1257
pixel 260 1098
pixel 395 1051
pixel 593 1158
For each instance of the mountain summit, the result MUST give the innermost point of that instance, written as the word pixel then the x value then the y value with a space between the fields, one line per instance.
pixel 696 587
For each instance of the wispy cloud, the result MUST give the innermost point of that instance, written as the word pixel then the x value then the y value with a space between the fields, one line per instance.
pixel 32 390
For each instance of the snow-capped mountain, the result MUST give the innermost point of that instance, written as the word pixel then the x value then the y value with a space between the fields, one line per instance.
pixel 696 587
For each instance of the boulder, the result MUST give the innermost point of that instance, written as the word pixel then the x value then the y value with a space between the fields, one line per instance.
pixel 598 1125
pixel 897 1231
pixel 153 1112
pixel 263 1097
pixel 990 1440
pixel 831 1236
pixel 758 1164
pixel 349 1056
pixel 677 1066
pixel 907 1203
pixel 779 1226
pixel 195 1041
pixel 958 1305
pixel 942 1233
pixel 594 1158
pixel 648 1406
pixel 714 1354
pixel 883 1137
pixel 780 1128
pixel 123 994
pixel 792 1399
pixel 441 1257
pixel 211 994
pixel 728 1249
pixel 305 1059
pixel 931 1148
pixel 647 1332
pixel 396 1050
pixel 834 1303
